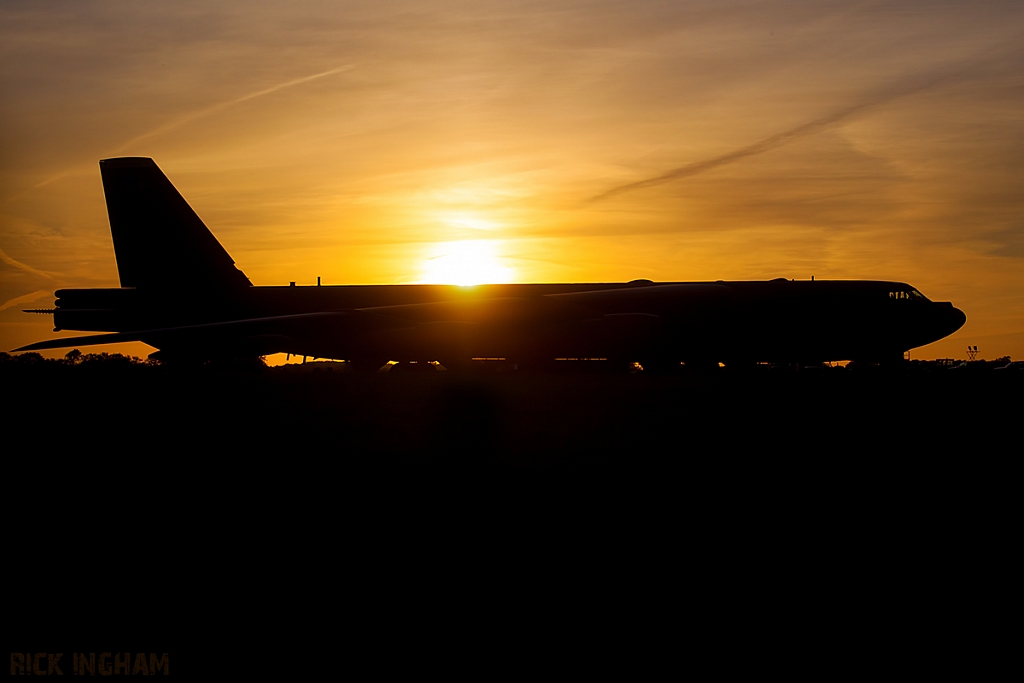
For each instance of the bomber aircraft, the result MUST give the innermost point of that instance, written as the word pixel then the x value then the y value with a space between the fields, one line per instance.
pixel 181 293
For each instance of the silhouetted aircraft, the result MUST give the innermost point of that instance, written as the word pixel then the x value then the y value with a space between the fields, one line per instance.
pixel 181 293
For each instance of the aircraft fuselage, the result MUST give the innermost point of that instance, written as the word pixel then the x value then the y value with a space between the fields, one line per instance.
pixel 182 293
pixel 778 320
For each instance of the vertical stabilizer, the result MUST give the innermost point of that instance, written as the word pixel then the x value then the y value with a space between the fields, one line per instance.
pixel 159 241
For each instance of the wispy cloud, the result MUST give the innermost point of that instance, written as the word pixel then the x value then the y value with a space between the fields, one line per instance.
pixel 166 128
pixel 202 113
pixel 779 139
pixel 21 266
pixel 26 298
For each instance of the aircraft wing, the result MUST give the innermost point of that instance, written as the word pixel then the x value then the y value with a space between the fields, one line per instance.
pixel 229 332
pixel 443 329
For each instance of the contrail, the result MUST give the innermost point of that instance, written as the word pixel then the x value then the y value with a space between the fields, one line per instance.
pixel 769 143
pixel 21 266
pixel 230 103
pixel 188 118
pixel 25 299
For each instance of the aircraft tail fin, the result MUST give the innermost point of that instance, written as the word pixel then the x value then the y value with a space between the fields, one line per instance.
pixel 159 241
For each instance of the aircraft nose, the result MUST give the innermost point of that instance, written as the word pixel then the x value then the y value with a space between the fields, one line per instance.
pixel 952 318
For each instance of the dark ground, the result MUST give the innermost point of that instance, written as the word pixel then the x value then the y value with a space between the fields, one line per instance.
pixel 326 414
pixel 238 508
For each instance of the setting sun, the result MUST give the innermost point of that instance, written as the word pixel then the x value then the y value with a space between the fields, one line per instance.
pixel 518 142
pixel 468 262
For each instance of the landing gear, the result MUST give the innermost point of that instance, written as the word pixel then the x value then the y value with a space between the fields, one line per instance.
pixel 412 366
pixel 656 366
pixel 701 365
pixel 368 365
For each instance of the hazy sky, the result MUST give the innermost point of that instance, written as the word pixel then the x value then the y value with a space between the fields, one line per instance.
pixel 387 142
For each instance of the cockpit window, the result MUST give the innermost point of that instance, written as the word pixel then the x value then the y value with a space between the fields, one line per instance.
pixel 907 295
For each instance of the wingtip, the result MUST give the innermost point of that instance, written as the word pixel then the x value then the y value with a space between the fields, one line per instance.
pixel 64 342
pixel 37 346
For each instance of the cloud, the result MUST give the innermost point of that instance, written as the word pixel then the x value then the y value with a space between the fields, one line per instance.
pixel 21 266
pixel 1011 242
pixel 26 298
pixel 884 96
pixel 230 103
pixel 168 127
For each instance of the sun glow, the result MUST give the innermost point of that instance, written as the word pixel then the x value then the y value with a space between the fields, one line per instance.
pixel 467 262
pixel 465 221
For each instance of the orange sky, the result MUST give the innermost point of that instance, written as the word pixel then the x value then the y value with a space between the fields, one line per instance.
pixel 599 141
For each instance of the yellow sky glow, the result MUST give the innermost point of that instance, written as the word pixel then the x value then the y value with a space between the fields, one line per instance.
pixel 466 262
pixel 530 142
